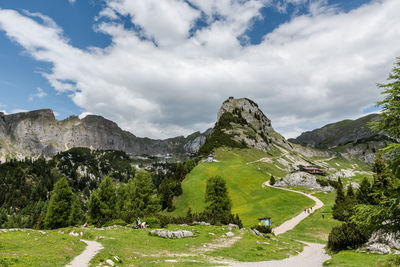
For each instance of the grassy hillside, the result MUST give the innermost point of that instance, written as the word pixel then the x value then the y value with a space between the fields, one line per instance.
pixel 244 182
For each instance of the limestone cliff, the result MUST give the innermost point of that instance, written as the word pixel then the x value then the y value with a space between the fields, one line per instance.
pixel 38 132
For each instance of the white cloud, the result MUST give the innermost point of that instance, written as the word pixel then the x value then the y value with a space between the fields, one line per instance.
pixel 18 110
pixel 72 1
pixel 40 94
pixel 312 70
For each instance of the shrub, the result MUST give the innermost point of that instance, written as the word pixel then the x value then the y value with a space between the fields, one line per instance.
pixel 322 182
pixel 115 222
pixel 345 236
pixel 152 222
pixel 263 229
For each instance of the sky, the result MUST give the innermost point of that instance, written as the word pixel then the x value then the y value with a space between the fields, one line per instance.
pixel 162 68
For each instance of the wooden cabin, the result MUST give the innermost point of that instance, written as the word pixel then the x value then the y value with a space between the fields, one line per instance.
pixel 313 170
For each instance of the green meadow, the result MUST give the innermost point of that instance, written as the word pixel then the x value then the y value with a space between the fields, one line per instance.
pixel 33 248
pixel 244 181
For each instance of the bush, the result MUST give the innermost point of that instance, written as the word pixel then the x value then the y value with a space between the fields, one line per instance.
pixel 152 222
pixel 345 236
pixel 322 182
pixel 115 222
pixel 263 229
pixel 272 181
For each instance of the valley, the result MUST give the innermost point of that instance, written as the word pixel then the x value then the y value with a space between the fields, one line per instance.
pixel 264 176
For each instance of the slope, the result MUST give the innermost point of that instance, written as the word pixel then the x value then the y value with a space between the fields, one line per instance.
pixel 244 182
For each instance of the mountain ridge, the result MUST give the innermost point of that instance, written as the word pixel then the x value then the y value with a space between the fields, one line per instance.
pixel 39 132
pixel 350 138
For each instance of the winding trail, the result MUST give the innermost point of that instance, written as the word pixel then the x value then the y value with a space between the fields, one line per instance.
pixel 290 224
pixel 313 255
pixel 83 259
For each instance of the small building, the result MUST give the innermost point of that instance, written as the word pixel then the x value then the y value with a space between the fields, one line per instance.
pixel 313 170
pixel 264 221
pixel 211 158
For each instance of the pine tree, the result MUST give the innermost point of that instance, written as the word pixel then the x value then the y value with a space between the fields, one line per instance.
pixel 59 212
pixel 219 204
pixel 103 202
pixel 94 211
pixel 383 177
pixel 390 108
pixel 167 193
pixel 272 181
pixel 77 212
pixel 146 202
pixel 363 192
pixel 128 211
pixel 339 206
pixel 350 192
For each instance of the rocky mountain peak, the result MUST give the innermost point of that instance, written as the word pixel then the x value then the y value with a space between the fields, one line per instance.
pixel 249 111
pixel 242 124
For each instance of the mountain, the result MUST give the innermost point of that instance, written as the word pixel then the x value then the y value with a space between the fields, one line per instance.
pixel 242 124
pixel 351 138
pixel 38 132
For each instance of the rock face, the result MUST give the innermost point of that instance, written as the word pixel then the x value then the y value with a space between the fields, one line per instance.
pixel 240 123
pixel 354 138
pixel 302 179
pixel 38 132
pixel 382 243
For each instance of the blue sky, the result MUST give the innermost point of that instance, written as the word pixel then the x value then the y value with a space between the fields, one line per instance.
pixel 162 68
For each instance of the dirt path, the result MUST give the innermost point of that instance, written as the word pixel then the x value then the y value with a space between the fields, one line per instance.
pixel 84 258
pixel 313 255
pixel 290 224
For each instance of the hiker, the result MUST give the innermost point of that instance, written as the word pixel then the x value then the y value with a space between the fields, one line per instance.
pixel 311 209
pixel 304 210
pixel 138 222
pixel 323 216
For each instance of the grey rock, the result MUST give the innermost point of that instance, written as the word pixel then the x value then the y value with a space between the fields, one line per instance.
pixel 257 132
pixel 233 225
pixel 171 234
pixel 110 262
pixel 229 234
pixel 38 132
pixel 256 232
pixel 302 179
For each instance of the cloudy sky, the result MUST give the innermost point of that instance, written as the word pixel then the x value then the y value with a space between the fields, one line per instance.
pixel 162 68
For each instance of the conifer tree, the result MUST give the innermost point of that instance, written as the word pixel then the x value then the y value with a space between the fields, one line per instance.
pixel 219 204
pixel 383 177
pixel 76 212
pixel 128 211
pixel 94 211
pixel 350 192
pixel 146 202
pixel 363 192
pixel 338 207
pixel 390 108
pixel 103 202
pixel 167 194
pixel 59 212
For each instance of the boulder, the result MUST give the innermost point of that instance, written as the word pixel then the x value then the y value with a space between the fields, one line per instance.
pixel 171 234
pixel 302 179
pixel 229 234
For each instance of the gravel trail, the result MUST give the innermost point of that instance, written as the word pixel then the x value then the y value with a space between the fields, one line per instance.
pixel 313 255
pixel 83 259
